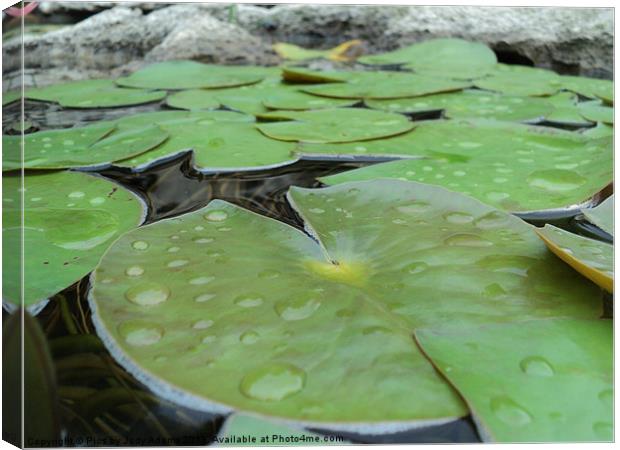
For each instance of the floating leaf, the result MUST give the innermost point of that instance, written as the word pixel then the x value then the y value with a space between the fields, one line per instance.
pixel 70 219
pixel 589 87
pixel 303 75
pixel 242 430
pixel 536 168
pixel 565 110
pixel 333 125
pixel 592 259
pixel 386 85
pixel 295 100
pixel 521 81
pixel 11 96
pixel 603 215
pixel 600 130
pixel 595 112
pixel 278 322
pixel 471 104
pixel 194 100
pixel 190 75
pixel 536 381
pixel 455 58
pixel 93 94
pixel 343 52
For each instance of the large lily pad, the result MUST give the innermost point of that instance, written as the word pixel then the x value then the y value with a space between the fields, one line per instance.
pixel 565 110
pixel 520 80
pixel 596 112
pixel 471 104
pixel 333 125
pixel 513 167
pixel 79 147
pixel 93 94
pixel 589 87
pixel 536 381
pixel 602 215
pixel 386 85
pixel 447 57
pixel 70 218
pixel 319 333
pixel 173 75
pixel 593 259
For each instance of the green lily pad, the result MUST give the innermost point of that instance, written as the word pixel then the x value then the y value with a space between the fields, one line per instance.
pixel 11 96
pixel 174 75
pixel 602 215
pixel 93 94
pixel 600 130
pixel 595 112
pixel 318 332
pixel 471 104
pixel 242 430
pixel 589 87
pixel 591 258
pixel 447 57
pixel 333 125
pixel 565 110
pixel 536 381
pixel 194 100
pixel 510 166
pixel 520 81
pixel 80 147
pixel 386 85
pixel 70 219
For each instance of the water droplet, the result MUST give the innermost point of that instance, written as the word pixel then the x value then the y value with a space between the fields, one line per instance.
pixel 269 274
pixel 76 194
pixel 140 332
pixel 509 412
pixel 134 271
pixel 603 430
pixel 140 245
pixel 536 366
pixel 203 240
pixel 208 339
pixel 458 217
pixel 249 337
pixel 199 228
pixel 97 201
pixel 375 330
pixel 298 308
pixel 467 240
pixel 203 298
pixel 217 215
pixel 202 324
pixel 177 263
pixel 248 300
pixel 497 196
pixel 201 280
pixel 399 221
pixel 415 207
pixel 416 267
pixel 273 382
pixel 174 249
pixel 555 180
pixel 147 294
pixel 492 219
pixel 316 210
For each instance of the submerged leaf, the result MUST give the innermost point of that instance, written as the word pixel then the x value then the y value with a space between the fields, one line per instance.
pixel 603 215
pixel 536 381
pixel 320 332
pixel 70 219
pixel 592 259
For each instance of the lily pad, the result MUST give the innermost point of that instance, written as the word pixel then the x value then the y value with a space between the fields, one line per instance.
pixel 449 57
pixel 471 104
pixel 93 94
pixel 536 381
pixel 386 85
pixel 333 125
pixel 565 110
pixel 511 166
pixel 596 112
pixel 600 130
pixel 80 147
pixel 11 96
pixel 592 259
pixel 318 332
pixel 589 87
pixel 70 219
pixel 343 52
pixel 174 75
pixel 520 81
pixel 304 75
pixel 602 215
pixel 242 430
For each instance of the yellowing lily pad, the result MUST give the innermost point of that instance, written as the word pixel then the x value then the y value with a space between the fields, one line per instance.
pixel 521 81
pixel 346 51
pixel 93 94
pixel 536 381
pixel 448 57
pixel 317 330
pixel 174 75
pixel 303 75
pixel 70 218
pixel 602 215
pixel 471 104
pixel 333 125
pixel 592 259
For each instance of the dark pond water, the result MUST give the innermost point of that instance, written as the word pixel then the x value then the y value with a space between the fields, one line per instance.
pixel 100 403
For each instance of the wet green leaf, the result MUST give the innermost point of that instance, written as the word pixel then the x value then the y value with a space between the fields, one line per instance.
pixel 521 81
pixel 565 110
pixel 278 322
pixel 262 432
pixel 536 381
pixel 333 125
pixel 589 87
pixel 513 167
pixel 600 130
pixel 471 104
pixel 93 94
pixel 595 112
pixel 173 75
pixel 447 57
pixel 602 215
pixel 591 258
pixel 70 219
